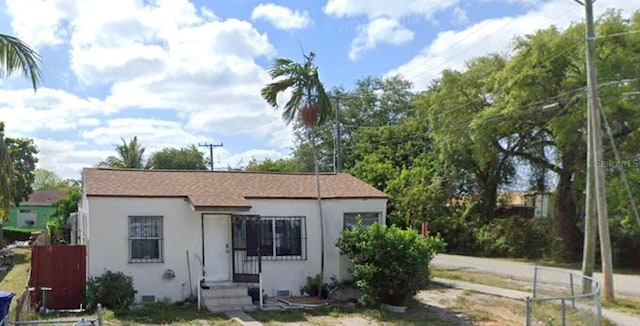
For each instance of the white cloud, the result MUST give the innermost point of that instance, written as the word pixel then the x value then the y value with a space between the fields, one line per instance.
pixel 385 19
pixel 67 158
pixel 460 15
pixel 153 134
pixel 55 110
pixel 163 55
pixel 386 8
pixel 42 26
pixel 281 17
pixel 451 49
pixel 379 30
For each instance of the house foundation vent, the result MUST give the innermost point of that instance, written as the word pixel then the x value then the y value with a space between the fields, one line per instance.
pixel 283 293
pixel 148 298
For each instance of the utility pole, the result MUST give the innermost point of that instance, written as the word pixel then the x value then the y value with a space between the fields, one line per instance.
pixel 337 161
pixel 211 146
pixel 599 181
pixel 590 221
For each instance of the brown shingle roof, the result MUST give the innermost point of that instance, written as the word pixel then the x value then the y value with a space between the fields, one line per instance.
pixel 45 197
pixel 221 189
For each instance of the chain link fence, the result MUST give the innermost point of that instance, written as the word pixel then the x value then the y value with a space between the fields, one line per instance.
pixel 561 297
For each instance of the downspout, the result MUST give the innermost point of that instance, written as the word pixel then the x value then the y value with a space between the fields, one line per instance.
pixel 202 231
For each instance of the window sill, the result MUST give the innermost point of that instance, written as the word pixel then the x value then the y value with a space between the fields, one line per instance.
pixel 146 261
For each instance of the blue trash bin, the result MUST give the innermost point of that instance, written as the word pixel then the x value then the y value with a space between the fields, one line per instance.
pixel 5 302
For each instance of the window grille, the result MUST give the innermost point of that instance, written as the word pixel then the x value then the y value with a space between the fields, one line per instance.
pixel 277 238
pixel 145 239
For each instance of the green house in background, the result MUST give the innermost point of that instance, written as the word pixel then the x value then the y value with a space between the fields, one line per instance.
pixel 34 213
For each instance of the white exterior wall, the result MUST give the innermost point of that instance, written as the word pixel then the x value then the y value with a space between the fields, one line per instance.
pixel 291 275
pixel 108 243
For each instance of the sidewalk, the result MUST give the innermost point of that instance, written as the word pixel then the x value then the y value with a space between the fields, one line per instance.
pixel 618 318
pixel 624 284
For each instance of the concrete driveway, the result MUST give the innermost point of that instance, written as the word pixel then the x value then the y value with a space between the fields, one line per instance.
pixel 628 285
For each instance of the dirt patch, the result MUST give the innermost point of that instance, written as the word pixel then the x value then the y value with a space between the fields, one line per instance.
pixel 436 306
pixel 311 301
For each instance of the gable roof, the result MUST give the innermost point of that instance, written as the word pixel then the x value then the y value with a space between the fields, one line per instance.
pixel 44 197
pixel 206 189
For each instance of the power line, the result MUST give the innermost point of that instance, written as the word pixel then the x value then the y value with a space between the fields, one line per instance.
pixel 462 106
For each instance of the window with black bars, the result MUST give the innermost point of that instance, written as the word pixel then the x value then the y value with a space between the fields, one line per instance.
pixel 277 238
pixel 145 239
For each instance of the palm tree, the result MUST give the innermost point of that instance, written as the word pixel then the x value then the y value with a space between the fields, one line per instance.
pixel 129 156
pixel 309 102
pixel 15 56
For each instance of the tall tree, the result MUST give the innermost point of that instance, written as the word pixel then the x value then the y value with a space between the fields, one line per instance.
pixel 278 165
pixel 309 102
pixel 188 158
pixel 15 56
pixel 129 156
pixel 23 159
pixel 455 107
pixel 47 180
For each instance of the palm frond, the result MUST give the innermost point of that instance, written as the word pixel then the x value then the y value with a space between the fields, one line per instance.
pixel 130 156
pixel 271 91
pixel 17 56
pixel 303 80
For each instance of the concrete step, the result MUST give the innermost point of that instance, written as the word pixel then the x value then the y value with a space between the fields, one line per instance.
pixel 221 291
pixel 231 308
pixel 228 301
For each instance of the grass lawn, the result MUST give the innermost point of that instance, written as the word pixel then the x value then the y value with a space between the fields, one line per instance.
pixel 15 279
pixel 417 314
pixel 155 314
pixel 623 304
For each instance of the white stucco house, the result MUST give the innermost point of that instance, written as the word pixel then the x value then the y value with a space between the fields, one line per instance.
pixel 232 228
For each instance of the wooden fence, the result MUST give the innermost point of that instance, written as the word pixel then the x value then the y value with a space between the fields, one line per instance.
pixel 63 270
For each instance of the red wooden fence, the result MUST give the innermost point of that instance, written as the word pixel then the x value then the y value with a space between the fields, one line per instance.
pixel 61 268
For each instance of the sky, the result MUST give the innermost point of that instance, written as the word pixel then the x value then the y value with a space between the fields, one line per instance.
pixel 181 72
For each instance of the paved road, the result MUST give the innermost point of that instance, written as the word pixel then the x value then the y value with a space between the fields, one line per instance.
pixel 623 284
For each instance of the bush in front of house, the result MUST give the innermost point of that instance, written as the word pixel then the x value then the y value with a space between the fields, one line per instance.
pixel 114 290
pixel 390 264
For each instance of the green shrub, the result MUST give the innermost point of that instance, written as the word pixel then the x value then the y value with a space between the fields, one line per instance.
pixel 58 230
pixel 458 232
pixel 12 235
pixel 314 287
pixel 390 264
pixel 114 290
pixel 516 237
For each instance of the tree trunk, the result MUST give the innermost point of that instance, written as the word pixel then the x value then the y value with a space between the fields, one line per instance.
pixel 488 184
pixel 565 212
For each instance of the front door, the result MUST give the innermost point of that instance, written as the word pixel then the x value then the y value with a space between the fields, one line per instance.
pixel 216 246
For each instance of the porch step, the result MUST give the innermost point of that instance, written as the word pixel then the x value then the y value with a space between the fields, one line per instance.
pixel 232 308
pixel 225 297
pixel 224 291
